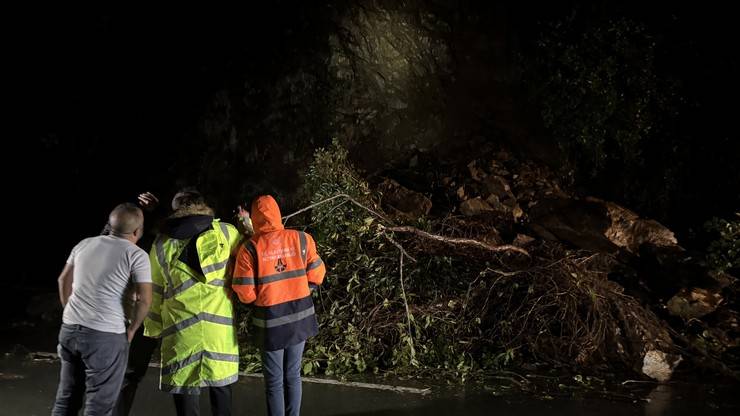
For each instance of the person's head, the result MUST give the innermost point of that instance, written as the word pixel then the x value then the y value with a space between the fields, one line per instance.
pixel 187 197
pixel 266 215
pixel 127 221
pixel 189 201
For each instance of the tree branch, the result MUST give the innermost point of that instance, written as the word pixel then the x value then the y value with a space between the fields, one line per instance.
pixel 345 196
pixel 457 241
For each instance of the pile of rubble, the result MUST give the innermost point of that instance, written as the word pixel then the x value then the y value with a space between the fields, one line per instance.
pixel 526 204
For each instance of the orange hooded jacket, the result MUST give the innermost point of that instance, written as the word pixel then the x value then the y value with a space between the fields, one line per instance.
pixel 274 270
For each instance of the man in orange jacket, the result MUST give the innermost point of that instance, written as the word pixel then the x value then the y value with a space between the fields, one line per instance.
pixel 276 270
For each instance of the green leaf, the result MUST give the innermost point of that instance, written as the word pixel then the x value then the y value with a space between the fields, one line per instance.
pixel 307 368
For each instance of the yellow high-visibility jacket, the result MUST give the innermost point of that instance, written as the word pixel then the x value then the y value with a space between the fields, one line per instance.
pixel 192 310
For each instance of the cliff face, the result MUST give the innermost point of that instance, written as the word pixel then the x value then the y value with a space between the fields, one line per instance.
pixel 390 80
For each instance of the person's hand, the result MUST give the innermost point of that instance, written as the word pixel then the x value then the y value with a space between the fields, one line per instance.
pixel 241 212
pixel 148 201
pixel 130 335
pixel 244 223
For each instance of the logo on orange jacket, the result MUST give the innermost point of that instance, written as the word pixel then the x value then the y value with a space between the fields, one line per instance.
pixel 280 266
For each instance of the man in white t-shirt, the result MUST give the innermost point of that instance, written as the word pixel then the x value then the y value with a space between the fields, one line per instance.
pixel 94 339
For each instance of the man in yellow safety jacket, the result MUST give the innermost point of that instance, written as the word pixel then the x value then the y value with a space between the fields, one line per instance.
pixel 192 311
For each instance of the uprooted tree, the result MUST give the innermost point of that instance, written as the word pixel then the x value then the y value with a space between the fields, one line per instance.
pixel 446 296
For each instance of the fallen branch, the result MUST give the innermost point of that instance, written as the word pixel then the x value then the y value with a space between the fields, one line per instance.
pixel 457 241
pixel 625 382
pixel 406 305
pixel 399 246
pixel 345 196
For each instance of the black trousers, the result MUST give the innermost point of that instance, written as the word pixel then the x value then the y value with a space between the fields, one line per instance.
pixel 189 404
pixel 139 356
pixel 93 363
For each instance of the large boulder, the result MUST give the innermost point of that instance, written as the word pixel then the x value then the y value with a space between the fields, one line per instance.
pixel 628 230
pixel 659 365
pixel 581 223
pixel 694 303
pixel 475 206
pixel 404 201
pixel 598 225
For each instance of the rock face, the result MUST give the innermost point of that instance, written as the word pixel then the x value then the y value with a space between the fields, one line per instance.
pixel 387 75
pixel 598 225
pixel 404 201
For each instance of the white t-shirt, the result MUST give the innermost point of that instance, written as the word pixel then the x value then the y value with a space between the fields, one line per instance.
pixel 103 267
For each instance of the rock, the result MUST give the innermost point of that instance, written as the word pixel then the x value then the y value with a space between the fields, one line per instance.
pixel 599 225
pixel 717 339
pixel 498 186
pixel 510 202
pixel 542 232
pixel 630 231
pixel 461 193
pixel 517 212
pixel 403 200
pixel 414 161
pixel 532 183
pixel 475 206
pixel 722 279
pixel 659 365
pixel 580 223
pixel 664 271
pixel 503 156
pixel 522 240
pixel 507 207
pixel 493 238
pixel 726 333
pixel 497 205
pixel 476 173
pixel 694 303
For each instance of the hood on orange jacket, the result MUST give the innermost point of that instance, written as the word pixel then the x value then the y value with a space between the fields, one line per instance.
pixel 265 215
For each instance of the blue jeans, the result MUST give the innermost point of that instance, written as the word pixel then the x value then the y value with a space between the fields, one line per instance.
pixel 139 354
pixel 93 364
pixel 282 371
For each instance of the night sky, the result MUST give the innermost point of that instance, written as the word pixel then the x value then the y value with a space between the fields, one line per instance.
pixel 103 100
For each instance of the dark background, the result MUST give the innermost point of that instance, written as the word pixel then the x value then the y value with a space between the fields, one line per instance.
pixel 110 102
